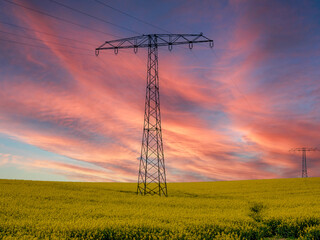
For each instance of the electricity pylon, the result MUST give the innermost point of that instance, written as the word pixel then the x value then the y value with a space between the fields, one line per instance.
pixel 152 173
pixel 304 151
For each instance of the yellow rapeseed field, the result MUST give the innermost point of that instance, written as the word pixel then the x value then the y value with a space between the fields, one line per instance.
pixel 254 209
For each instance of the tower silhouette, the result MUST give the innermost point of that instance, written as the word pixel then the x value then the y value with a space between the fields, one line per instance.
pixel 304 151
pixel 152 173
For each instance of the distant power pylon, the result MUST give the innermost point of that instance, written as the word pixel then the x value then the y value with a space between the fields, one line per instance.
pixel 152 173
pixel 304 151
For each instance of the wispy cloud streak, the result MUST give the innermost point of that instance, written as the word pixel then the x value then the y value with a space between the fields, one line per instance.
pixel 233 114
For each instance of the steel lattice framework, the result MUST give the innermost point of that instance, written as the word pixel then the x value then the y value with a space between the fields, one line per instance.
pixel 152 173
pixel 304 151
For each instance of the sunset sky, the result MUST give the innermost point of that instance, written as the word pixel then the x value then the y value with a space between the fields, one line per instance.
pixel 228 113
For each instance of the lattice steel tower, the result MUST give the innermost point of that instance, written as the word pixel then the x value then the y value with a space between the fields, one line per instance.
pixel 304 151
pixel 152 173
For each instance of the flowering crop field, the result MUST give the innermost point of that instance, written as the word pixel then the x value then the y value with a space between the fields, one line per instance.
pixel 253 209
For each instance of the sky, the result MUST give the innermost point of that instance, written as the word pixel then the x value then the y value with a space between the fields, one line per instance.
pixel 228 113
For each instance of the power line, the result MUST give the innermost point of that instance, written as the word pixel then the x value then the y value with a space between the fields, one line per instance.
pixel 36 46
pixel 89 15
pixel 138 19
pixel 18 35
pixel 49 34
pixel 58 18
pixel 129 15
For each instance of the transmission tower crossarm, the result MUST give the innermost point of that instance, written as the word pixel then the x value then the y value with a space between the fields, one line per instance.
pixel 304 149
pixel 143 41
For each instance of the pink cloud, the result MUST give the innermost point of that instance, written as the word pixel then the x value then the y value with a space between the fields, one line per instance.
pixel 92 109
